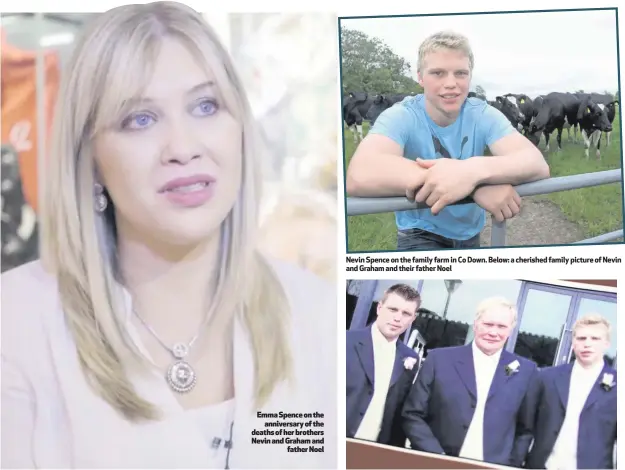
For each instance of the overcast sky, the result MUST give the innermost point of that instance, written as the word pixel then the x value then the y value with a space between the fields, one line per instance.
pixel 532 53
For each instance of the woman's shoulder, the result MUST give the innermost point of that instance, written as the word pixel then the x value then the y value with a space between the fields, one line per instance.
pixel 28 284
pixel 298 281
pixel 27 292
pixel 312 298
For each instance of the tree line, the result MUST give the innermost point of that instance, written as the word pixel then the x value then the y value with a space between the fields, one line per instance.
pixel 368 64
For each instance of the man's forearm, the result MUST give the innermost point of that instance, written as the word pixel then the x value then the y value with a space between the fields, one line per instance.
pixel 382 176
pixel 521 167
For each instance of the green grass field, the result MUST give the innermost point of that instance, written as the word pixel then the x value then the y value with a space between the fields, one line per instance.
pixel 596 210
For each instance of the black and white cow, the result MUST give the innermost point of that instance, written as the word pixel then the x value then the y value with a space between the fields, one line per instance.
pixel 19 222
pixel 526 107
pixel 593 120
pixel 355 107
pixel 381 103
pixel 559 109
pixel 534 136
pixel 608 103
pixel 550 115
pixel 473 94
pixel 508 109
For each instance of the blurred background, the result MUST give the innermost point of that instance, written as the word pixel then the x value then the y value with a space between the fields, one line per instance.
pixel 288 63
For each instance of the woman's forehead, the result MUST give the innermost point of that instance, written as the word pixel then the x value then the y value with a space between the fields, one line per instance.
pixel 177 71
pixel 161 72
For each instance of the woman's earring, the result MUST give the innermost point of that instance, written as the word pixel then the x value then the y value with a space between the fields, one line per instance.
pixel 101 202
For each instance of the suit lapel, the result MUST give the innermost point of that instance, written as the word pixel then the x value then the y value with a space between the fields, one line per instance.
pixel 364 349
pixel 563 382
pixel 398 365
pixel 597 390
pixel 501 378
pixel 466 369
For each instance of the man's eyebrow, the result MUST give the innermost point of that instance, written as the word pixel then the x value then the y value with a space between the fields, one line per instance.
pixel 440 69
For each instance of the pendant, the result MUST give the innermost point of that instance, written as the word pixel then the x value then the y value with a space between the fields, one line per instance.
pixel 181 377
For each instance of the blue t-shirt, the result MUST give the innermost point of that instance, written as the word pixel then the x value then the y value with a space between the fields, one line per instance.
pixel 478 125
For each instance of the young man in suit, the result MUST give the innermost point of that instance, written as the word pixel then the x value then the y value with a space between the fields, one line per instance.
pixel 381 369
pixel 576 417
pixel 471 401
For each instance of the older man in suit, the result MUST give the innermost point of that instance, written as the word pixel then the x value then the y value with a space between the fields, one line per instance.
pixel 381 369
pixel 471 401
pixel 576 417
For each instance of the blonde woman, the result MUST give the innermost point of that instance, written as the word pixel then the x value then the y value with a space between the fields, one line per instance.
pixel 152 334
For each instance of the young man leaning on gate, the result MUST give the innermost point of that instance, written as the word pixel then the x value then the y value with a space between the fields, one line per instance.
pixel 430 146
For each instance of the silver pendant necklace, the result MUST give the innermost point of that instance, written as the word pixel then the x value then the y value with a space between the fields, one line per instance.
pixel 180 375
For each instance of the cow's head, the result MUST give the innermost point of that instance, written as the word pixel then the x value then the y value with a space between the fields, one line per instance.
pixel 542 114
pixel 523 103
pixel 534 138
pixel 509 109
pixel 380 104
pixel 594 114
pixel 610 108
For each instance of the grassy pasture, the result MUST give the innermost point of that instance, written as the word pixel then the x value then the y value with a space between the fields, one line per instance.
pixel 596 210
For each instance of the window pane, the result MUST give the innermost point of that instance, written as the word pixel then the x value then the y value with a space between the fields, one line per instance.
pixel 543 318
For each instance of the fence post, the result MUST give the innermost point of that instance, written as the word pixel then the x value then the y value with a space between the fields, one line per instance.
pixel 498 233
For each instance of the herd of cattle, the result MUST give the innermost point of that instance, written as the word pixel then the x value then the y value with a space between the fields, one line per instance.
pixel 590 113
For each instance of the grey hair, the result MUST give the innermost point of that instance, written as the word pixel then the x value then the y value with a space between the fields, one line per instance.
pixel 496 303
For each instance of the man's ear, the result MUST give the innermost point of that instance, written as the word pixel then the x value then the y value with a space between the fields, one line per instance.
pixel 419 78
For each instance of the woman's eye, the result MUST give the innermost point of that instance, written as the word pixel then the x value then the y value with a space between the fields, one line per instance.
pixel 205 108
pixel 137 121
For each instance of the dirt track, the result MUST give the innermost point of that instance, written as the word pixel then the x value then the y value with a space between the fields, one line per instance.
pixel 540 223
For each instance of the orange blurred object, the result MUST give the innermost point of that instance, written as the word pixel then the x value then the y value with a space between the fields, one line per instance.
pixel 19 108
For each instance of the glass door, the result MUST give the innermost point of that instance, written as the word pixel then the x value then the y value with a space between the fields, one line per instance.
pixel 544 317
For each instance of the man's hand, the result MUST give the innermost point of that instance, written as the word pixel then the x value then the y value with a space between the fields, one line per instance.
pixel 446 182
pixel 501 200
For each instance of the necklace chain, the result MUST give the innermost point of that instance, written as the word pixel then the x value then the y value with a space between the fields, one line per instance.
pixel 180 375
pixel 189 345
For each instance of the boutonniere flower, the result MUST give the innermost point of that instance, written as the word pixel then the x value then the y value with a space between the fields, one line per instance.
pixel 607 382
pixel 513 367
pixel 409 362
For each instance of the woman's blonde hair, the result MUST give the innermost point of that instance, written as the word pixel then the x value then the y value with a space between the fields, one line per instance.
pixel 112 64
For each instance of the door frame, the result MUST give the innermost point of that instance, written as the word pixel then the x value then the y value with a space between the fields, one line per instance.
pixel 576 294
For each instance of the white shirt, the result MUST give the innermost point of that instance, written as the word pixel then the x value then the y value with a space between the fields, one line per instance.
pixel 214 422
pixel 56 421
pixel 485 367
pixel 564 453
pixel 384 359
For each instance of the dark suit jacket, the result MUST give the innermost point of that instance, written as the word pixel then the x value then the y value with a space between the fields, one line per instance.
pixel 597 421
pixel 441 403
pixel 360 385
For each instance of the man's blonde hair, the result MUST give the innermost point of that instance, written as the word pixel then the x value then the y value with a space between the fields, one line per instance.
pixel 444 40
pixel 496 302
pixel 592 319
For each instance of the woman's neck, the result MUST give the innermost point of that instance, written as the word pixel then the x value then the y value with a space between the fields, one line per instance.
pixel 169 285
